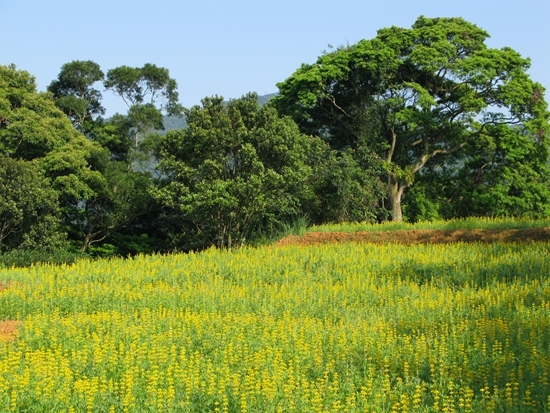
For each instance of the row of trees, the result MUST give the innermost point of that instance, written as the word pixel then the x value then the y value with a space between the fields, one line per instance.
pixel 416 123
pixel 72 179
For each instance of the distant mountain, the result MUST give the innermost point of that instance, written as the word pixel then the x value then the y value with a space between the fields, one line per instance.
pixel 177 122
pixel 173 122
pixel 262 100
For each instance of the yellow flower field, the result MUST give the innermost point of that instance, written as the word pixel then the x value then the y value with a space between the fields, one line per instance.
pixel 331 328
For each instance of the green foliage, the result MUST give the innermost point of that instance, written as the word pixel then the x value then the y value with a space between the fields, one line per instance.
pixel 505 172
pixel 36 130
pixel 119 197
pixel 422 203
pixel 236 167
pixel 113 135
pixel 74 94
pixel 429 114
pixel 149 93
pixel 29 209
pixel 32 126
pixel 28 257
pixel 297 226
pixel 146 243
pixel 117 192
pixel 345 185
pixel 415 95
pixel 135 85
pixel 48 165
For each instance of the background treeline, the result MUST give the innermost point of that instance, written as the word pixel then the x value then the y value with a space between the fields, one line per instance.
pixel 416 124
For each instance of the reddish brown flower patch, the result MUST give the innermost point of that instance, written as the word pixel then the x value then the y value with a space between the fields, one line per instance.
pixel 4 285
pixel 8 330
pixel 420 236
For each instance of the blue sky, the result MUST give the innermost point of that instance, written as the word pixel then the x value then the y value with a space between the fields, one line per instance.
pixel 233 47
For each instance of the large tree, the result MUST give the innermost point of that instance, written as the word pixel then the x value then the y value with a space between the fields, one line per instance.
pixel 412 95
pixel 118 194
pixel 236 168
pixel 38 140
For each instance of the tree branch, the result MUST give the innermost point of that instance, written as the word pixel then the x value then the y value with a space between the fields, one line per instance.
pixel 331 98
pixel 393 143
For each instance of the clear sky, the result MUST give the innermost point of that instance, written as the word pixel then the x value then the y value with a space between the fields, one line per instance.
pixel 231 47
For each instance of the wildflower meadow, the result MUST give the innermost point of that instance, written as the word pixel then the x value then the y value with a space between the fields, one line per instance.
pixel 326 328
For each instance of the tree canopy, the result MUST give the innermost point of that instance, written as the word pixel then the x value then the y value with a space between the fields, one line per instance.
pixel 74 93
pixel 35 130
pixel 46 163
pixel 237 166
pixel 412 95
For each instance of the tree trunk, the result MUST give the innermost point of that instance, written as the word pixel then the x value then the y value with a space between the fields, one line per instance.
pixel 85 244
pixel 395 192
